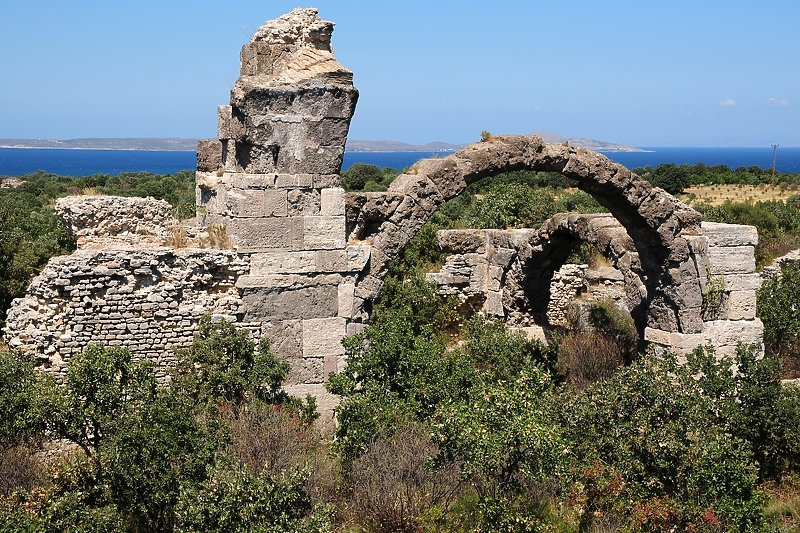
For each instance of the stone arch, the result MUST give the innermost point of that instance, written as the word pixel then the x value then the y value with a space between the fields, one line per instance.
pixel 656 221
pixel 534 269
pixel 509 273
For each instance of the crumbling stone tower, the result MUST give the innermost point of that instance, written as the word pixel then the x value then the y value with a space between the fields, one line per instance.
pixel 271 180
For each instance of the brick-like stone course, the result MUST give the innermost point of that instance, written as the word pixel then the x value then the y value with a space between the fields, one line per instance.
pixel 147 300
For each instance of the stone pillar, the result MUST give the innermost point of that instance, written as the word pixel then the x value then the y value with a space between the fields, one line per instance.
pixel 725 259
pixel 272 181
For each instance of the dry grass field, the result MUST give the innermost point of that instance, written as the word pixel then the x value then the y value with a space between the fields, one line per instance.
pixel 718 194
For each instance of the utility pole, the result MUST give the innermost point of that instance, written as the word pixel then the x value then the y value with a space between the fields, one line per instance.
pixel 774 158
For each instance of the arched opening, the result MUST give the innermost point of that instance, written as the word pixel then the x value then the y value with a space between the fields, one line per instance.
pixel 655 221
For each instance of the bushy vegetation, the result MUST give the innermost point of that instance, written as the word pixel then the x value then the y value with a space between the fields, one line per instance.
pixel 675 178
pixel 778 306
pixel 148 458
pixel 368 178
pixel 30 233
pixel 446 424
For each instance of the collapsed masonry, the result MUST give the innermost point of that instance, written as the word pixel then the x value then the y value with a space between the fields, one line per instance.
pixel 521 277
pixel 307 260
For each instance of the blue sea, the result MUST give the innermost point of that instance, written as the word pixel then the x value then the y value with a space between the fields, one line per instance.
pixel 21 161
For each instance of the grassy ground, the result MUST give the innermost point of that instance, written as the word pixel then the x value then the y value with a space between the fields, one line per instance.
pixel 718 194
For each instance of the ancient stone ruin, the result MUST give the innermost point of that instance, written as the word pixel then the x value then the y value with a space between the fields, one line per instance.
pixel 303 261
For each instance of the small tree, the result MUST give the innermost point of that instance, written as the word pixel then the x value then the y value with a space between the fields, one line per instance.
pixel 778 306
pixel 223 365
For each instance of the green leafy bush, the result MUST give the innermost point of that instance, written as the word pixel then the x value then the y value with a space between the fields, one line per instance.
pixel 777 307
pixel 147 450
pixel 368 178
pixel 236 501
pixel 223 365
pixel 686 443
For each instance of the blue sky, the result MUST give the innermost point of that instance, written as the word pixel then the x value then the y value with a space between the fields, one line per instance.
pixel 646 73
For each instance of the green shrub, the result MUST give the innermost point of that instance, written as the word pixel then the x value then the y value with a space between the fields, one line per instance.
pixel 366 177
pixel 686 443
pixel 397 372
pixel 778 310
pixel 236 501
pixel 501 354
pixel 223 365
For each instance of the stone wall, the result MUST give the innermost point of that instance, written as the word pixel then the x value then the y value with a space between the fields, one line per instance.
pixel 725 257
pixel 96 220
pixel 147 300
pixel 489 269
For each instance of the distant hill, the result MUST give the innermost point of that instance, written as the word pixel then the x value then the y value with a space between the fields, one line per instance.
pixel 353 145
pixel 154 143
pixel 397 146
pixel 591 144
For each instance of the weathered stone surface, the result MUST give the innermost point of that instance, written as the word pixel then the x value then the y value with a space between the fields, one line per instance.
pixel 147 300
pixel 740 305
pixel 309 302
pixel 725 335
pixel 114 221
pixel 224 122
pixel 209 155
pixel 730 234
pixel 323 233
pixel 286 338
pixel 292 105
pixel 304 202
pixel 332 202
pixel 261 234
pixel 742 282
pixel 266 263
pixel 346 299
pixel 732 260
pixel 323 336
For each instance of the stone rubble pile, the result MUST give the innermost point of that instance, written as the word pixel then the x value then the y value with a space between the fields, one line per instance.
pixel 103 221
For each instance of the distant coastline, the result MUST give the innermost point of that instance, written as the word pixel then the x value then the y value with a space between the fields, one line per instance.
pixel 152 144
pixel 168 144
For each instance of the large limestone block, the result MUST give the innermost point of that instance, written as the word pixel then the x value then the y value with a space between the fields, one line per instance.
pixel 461 241
pixel 720 234
pixel 494 304
pixel 245 203
pixel 323 336
pixel 265 303
pixel 346 299
pixel 731 332
pixel 742 282
pixel 324 233
pixel 740 305
pixel 285 336
pixel 224 126
pixel 263 234
pixel 732 259
pixel 209 155
pixel 332 202
pixel 680 343
pixel 283 263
